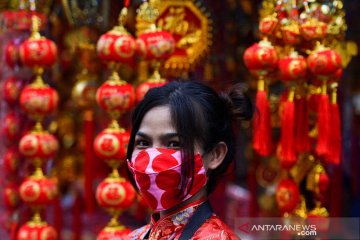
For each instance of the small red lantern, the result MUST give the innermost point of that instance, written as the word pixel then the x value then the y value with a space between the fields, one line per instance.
pixel 292 67
pixel 36 231
pixel 11 160
pixel 11 196
pixel 111 145
pixel 38 100
pixel 110 233
pixel 11 127
pixel 155 45
pixel 38 52
pixel 38 145
pixel 287 195
pixel 115 194
pixel 261 58
pixel 11 89
pixel 12 54
pixel 115 97
pixel 324 63
pixel 116 45
pixel 144 87
pixel 291 33
pixel 313 29
pixel 38 191
pixel 268 24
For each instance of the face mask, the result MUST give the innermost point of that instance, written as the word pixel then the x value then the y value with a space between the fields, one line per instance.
pixel 157 173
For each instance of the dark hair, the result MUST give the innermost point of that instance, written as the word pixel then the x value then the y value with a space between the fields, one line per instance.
pixel 201 116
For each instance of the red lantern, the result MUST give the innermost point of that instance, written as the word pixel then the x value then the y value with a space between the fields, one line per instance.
pixel 287 195
pixel 38 52
pixel 144 87
pixel 115 97
pixel 36 231
pixel 111 145
pixel 11 54
pixel 110 233
pixel 11 160
pixel 261 58
pixel 11 196
pixel 115 194
pixel 292 67
pixel 268 24
pixel 38 145
pixel 38 100
pixel 11 89
pixel 11 127
pixel 116 45
pixel 155 45
pixel 324 63
pixel 313 29
pixel 38 191
pixel 291 33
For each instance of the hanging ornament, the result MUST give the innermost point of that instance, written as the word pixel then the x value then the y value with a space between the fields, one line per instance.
pixel 11 161
pixel 36 229
pixel 117 45
pixel 261 58
pixel 11 54
pixel 287 195
pixel 10 196
pixel 115 194
pixel 292 69
pixel 11 89
pixel 115 96
pixel 37 51
pixel 334 140
pixel 157 44
pixel 111 144
pixel 110 233
pixel 324 63
pixel 11 126
pixel 38 145
pixel 38 99
pixel 318 181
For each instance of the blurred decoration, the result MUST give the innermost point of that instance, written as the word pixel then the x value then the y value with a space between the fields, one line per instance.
pixel 308 37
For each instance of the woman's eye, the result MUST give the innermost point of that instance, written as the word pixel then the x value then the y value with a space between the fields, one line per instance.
pixel 142 143
pixel 173 144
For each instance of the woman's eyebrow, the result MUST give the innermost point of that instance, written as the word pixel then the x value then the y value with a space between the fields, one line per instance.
pixel 169 135
pixel 143 135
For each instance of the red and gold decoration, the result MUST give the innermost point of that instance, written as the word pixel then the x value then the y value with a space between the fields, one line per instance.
pixel 38 100
pixel 116 97
pixel 303 47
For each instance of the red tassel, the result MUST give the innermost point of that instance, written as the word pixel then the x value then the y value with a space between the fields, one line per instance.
pixel 262 139
pixel 302 139
pixel 89 161
pixel 287 138
pixel 323 123
pixel 126 3
pixel 334 144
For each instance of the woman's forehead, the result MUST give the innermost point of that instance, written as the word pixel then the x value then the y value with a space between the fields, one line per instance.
pixel 157 121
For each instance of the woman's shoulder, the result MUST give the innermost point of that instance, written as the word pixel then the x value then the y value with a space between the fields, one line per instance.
pixel 214 228
pixel 139 233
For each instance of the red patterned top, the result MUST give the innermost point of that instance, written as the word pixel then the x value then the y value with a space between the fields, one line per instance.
pixel 171 226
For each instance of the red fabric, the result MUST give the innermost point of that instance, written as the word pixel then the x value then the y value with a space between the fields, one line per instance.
pixel 172 225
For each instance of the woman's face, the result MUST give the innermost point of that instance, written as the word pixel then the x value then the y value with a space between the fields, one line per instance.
pixel 158 131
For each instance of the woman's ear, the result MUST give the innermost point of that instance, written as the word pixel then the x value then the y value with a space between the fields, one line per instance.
pixel 217 155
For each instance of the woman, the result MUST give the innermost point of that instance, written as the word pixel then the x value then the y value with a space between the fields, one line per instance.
pixel 181 144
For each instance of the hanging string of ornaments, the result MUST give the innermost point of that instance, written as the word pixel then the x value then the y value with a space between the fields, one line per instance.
pixel 116 97
pixel 297 44
pixel 37 101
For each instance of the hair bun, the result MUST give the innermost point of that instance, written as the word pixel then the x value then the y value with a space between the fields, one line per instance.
pixel 238 103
